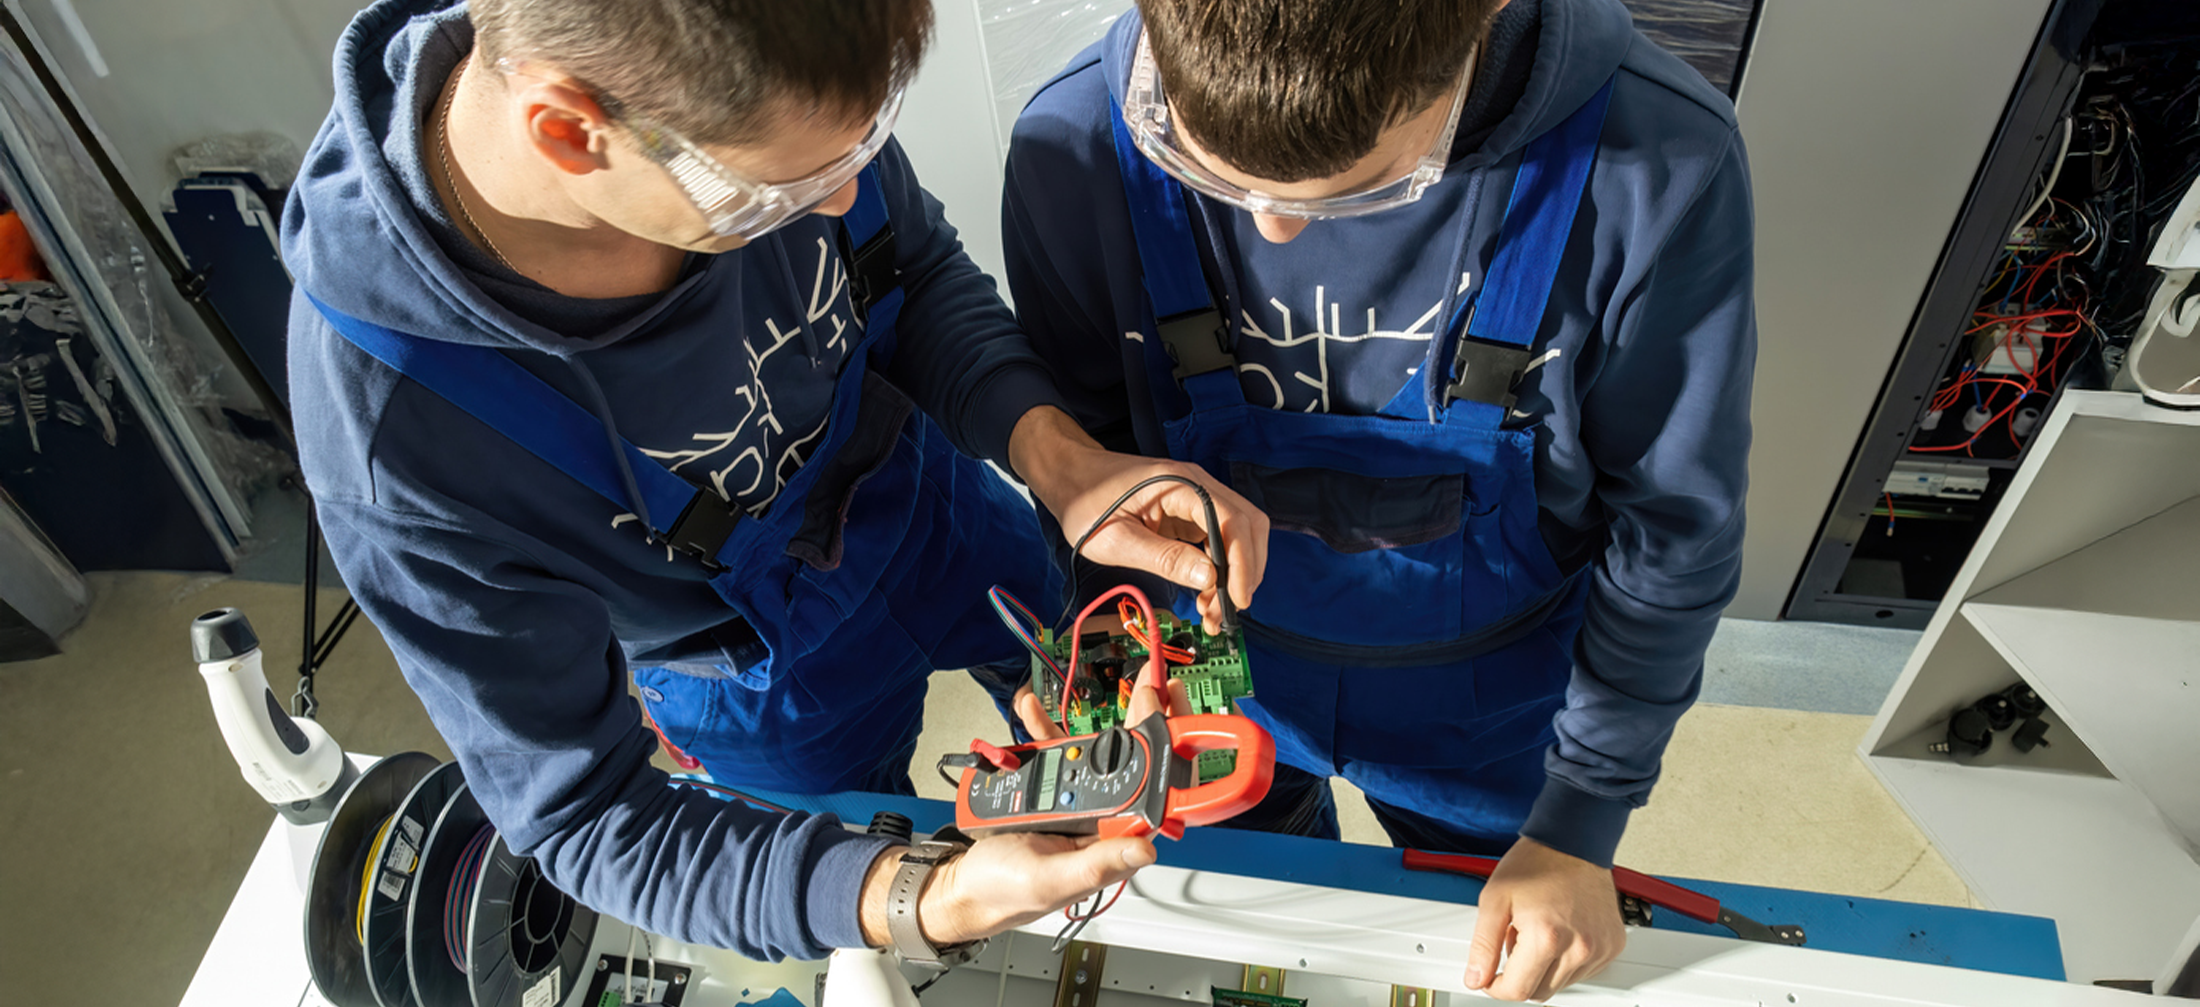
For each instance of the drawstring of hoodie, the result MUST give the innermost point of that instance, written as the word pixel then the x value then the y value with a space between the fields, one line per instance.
pixel 602 407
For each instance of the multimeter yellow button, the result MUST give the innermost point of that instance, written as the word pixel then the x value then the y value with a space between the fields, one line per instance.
pixel 1075 751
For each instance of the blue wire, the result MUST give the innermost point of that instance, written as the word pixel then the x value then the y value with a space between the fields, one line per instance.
pixel 1001 599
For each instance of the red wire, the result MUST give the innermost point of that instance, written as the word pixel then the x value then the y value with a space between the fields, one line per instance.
pixel 1990 420
pixel 1154 668
pixel 1151 636
pixel 1125 883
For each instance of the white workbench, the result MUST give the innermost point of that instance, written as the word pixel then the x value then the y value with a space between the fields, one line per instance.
pixel 1178 933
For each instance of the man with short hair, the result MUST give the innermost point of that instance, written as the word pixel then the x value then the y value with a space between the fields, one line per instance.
pixel 1458 292
pixel 591 376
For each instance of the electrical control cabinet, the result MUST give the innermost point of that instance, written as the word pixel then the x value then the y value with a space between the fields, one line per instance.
pixel 2040 288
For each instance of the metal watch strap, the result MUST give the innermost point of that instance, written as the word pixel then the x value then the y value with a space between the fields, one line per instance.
pixel 901 908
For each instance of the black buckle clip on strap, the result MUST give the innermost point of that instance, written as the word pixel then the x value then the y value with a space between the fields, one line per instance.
pixel 1196 342
pixel 872 272
pixel 1488 372
pixel 703 528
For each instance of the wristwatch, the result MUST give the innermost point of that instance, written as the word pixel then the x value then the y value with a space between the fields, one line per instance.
pixel 901 908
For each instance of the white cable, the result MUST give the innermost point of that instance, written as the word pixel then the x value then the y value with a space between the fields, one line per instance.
pixel 2070 125
pixel 628 996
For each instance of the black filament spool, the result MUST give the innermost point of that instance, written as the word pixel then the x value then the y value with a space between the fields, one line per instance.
pixel 333 953
pixel 435 982
pixel 396 879
pixel 526 941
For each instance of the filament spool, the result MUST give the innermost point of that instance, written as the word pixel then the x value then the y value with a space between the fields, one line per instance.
pixel 526 941
pixel 388 896
pixel 436 982
pixel 342 861
pixel 484 928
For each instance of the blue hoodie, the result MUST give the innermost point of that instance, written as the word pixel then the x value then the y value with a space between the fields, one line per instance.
pixel 1639 401
pixel 513 596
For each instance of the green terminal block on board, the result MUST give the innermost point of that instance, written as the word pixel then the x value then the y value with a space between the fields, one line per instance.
pixel 1243 998
pixel 1217 678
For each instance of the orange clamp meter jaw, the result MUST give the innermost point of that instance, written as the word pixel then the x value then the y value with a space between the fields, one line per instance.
pixel 1124 781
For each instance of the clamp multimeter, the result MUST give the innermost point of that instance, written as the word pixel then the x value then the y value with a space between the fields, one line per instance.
pixel 1124 781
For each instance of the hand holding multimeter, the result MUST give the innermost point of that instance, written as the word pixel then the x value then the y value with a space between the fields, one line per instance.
pixel 1137 771
pixel 1138 775
pixel 1123 781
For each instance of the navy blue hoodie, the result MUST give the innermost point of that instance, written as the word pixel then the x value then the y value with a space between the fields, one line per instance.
pixel 1639 400
pixel 512 595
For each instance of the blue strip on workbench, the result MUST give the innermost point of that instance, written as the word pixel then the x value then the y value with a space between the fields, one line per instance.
pixel 1935 935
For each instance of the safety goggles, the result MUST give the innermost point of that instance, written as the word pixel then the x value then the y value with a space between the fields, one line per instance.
pixel 1146 113
pixel 734 205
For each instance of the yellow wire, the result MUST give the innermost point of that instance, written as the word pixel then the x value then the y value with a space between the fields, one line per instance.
pixel 366 877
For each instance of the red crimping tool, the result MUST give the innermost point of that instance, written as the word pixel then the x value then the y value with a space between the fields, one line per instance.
pixel 1632 885
pixel 1124 781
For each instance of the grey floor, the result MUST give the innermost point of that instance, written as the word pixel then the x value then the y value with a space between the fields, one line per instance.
pixel 128 828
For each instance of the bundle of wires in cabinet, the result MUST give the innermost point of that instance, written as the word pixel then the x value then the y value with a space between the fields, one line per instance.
pixel 2059 306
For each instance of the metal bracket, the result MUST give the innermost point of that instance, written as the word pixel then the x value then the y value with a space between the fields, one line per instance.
pixel 1079 984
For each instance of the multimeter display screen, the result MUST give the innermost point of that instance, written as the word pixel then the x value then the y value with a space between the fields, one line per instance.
pixel 1050 764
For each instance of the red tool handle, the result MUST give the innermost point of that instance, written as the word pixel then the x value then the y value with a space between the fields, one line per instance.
pixel 679 758
pixel 1694 905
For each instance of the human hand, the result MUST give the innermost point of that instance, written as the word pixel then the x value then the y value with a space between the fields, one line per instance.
pixel 1002 882
pixel 1156 529
pixel 1145 702
pixel 1555 917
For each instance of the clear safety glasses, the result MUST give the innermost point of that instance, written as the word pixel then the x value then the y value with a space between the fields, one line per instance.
pixel 734 205
pixel 1146 113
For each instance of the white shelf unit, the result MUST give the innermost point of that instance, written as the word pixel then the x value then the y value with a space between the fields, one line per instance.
pixel 2085 585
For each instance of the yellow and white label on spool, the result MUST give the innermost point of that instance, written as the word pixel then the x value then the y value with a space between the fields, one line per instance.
pixel 544 993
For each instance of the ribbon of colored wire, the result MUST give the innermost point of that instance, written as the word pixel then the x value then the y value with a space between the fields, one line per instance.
pixel 458 902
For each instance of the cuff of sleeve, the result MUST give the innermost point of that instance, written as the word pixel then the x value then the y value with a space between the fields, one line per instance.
pixel 1576 822
pixel 1004 400
pixel 835 901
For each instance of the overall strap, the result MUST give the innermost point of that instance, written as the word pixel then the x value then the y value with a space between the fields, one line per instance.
pixel 1190 327
pixel 874 282
pixel 511 400
pixel 1539 218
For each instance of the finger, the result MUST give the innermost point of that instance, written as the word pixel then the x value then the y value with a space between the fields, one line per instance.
pixel 1527 970
pixel 1492 922
pixel 1133 545
pixel 1073 875
pixel 1145 702
pixel 1576 964
pixel 1243 526
pixel 1034 715
pixel 1247 549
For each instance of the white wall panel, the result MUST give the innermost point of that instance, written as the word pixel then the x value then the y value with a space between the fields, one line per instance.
pixel 1866 121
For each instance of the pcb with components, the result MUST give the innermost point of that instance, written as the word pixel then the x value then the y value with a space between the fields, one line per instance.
pixel 1245 998
pixel 1108 661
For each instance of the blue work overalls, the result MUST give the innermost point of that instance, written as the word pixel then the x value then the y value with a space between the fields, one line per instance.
pixel 866 573
pixel 1412 633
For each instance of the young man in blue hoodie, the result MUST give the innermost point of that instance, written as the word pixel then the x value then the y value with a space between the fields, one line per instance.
pixel 591 377
pixel 1458 292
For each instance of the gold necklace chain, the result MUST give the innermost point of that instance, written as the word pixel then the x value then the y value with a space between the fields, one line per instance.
pixel 443 157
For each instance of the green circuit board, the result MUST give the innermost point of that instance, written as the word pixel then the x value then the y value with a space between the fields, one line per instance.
pixel 1214 681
